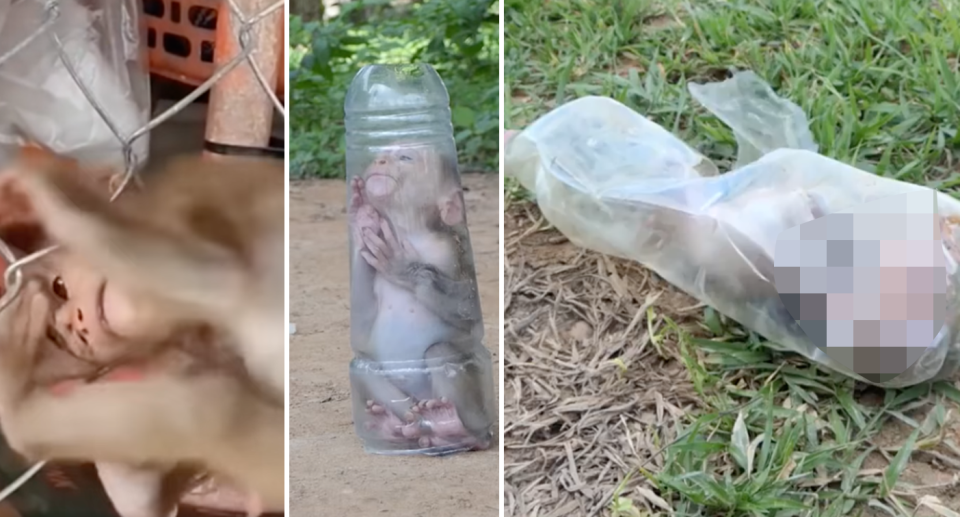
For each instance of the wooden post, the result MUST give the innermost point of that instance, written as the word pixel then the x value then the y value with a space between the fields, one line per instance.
pixel 240 112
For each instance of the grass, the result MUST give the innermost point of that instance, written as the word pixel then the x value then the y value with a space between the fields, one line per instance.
pixel 764 433
pixel 878 79
pixel 459 38
pixel 775 434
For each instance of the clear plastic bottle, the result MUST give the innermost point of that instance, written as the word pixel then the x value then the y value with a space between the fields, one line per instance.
pixel 613 181
pixel 421 379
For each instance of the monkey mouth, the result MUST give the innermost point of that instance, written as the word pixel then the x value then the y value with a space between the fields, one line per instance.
pixel 379 185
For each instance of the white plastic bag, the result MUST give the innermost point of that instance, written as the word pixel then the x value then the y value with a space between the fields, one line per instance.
pixel 613 181
pixel 40 101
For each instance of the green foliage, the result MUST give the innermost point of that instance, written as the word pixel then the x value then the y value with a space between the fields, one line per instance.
pixel 878 80
pixel 459 38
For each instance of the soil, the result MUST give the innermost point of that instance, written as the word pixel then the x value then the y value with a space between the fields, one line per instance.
pixel 330 474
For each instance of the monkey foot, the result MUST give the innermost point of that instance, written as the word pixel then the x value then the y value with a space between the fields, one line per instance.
pixel 466 442
pixel 383 423
pixel 214 496
pixel 444 424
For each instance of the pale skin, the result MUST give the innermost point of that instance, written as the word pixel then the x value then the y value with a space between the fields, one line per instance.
pixel 163 408
pixel 93 326
pixel 94 320
pixel 412 278
pixel 175 275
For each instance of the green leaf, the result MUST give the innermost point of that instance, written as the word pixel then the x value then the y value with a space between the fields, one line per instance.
pixel 712 319
pixel 893 471
pixel 740 444
pixel 353 40
pixel 463 116
pixel 947 390
pixel 321 51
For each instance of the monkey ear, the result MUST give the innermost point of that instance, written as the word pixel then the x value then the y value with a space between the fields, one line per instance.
pixel 127 248
pixel 451 208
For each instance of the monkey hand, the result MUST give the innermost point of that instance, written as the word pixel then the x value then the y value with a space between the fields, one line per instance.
pixel 23 326
pixel 366 218
pixel 356 197
pixel 451 209
pixel 16 204
pixel 389 256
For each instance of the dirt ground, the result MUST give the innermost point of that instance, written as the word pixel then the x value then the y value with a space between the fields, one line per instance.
pixel 330 474
pixel 575 423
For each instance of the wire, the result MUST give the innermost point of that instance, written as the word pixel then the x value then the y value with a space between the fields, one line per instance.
pixel 19 482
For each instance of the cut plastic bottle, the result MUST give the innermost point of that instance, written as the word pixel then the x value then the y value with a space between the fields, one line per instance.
pixel 421 378
pixel 615 182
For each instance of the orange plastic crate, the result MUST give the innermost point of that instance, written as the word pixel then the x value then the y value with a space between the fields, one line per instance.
pixel 181 36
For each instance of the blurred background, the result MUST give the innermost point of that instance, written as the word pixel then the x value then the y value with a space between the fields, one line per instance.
pixel 330 40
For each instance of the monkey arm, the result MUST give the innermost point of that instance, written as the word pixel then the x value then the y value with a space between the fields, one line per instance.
pixel 363 300
pixel 451 297
pixel 455 301
pixel 208 419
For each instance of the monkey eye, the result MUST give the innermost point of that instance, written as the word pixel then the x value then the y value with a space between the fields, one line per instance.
pixel 60 288
pixel 406 158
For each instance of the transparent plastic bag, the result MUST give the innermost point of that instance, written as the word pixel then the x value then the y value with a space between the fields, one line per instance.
pixel 613 181
pixel 422 380
pixel 42 102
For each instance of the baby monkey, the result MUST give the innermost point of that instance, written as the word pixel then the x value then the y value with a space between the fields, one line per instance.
pixel 98 329
pixel 415 301
pixel 201 244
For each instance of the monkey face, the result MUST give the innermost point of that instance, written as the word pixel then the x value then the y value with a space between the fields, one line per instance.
pixel 93 318
pixel 404 177
pixel 383 177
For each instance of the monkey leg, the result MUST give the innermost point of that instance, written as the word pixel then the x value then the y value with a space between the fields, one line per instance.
pixel 145 491
pixel 457 413
pixel 206 420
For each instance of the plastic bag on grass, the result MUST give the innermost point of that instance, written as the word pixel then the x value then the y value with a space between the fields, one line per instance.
pixel 613 181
